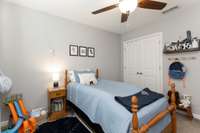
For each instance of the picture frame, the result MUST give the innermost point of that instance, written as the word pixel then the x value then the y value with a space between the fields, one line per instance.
pixel 73 50
pixel 91 52
pixel 82 51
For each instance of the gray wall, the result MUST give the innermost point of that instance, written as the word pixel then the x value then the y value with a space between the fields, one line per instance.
pixel 174 26
pixel 25 41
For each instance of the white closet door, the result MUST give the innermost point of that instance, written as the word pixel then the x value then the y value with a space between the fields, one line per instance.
pixel 149 67
pixel 142 62
pixel 131 63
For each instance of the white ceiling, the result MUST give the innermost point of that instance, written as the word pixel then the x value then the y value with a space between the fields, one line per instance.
pixel 80 11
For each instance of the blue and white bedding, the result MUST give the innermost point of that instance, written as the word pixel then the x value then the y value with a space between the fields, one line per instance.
pixel 98 103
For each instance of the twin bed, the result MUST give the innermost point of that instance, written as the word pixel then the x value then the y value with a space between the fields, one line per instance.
pixel 99 105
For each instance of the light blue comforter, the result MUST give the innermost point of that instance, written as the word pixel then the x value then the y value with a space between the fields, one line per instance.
pixel 98 103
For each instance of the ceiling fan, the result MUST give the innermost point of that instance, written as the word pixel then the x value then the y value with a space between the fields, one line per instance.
pixel 128 6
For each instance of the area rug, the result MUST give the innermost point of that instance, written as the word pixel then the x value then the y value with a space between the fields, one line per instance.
pixel 66 125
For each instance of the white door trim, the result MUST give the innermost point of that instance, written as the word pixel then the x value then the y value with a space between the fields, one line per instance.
pixel 159 34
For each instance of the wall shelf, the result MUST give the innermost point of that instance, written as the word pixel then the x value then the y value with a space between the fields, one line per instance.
pixel 181 51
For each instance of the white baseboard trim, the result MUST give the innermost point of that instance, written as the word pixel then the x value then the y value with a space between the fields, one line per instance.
pixel 196 116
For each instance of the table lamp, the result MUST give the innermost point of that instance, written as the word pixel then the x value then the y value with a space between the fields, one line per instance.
pixel 56 78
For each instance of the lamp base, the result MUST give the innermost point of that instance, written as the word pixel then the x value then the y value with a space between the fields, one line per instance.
pixel 55 84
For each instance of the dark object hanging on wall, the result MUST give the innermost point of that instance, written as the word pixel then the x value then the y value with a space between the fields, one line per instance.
pixel 91 52
pixel 82 51
pixel 177 70
pixel 73 50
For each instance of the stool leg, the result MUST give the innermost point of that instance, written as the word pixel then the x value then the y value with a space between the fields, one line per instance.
pixel 190 115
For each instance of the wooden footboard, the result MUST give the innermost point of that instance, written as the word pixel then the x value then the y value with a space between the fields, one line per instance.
pixel 145 127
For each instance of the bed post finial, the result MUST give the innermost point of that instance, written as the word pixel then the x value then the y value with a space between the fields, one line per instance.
pixel 173 96
pixel 66 80
pixel 97 73
pixel 173 103
pixel 134 109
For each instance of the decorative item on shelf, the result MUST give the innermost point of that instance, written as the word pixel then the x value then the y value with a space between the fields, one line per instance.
pixel 55 78
pixel 83 51
pixel 185 101
pixel 187 45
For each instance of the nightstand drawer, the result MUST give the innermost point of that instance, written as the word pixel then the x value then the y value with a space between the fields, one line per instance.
pixel 56 94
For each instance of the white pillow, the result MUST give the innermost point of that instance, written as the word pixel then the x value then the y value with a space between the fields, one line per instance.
pixel 87 78
pixel 71 76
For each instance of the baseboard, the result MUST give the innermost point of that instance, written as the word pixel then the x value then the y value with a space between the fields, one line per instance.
pixel 196 116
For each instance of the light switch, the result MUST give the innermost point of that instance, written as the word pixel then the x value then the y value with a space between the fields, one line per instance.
pixel 52 52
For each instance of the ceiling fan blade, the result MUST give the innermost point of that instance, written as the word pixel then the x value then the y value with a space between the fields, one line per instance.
pixel 105 9
pixel 124 17
pixel 149 4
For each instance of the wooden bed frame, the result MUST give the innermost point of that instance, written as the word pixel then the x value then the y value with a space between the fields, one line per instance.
pixel 171 109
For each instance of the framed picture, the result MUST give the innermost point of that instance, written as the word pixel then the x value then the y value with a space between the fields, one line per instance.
pixel 73 50
pixel 82 51
pixel 91 52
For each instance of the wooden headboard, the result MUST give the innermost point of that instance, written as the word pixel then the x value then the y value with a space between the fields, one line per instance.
pixel 66 81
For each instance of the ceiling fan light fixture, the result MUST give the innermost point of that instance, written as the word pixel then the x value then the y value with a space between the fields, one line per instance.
pixel 126 6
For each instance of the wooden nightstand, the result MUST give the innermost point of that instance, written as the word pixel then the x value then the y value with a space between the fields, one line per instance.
pixel 57 103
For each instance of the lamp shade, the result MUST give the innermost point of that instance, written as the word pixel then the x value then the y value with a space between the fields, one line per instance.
pixel 56 76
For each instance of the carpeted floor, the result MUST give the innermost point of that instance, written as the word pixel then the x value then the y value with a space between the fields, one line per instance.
pixel 184 125
pixel 72 125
